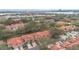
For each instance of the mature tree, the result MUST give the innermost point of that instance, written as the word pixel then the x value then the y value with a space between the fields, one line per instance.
pixel 55 32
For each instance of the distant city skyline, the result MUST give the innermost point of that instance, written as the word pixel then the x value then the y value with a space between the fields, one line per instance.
pixel 39 4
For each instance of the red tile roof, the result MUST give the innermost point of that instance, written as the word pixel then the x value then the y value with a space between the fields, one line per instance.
pixel 66 44
pixel 67 28
pixel 34 36
pixel 15 41
pixel 14 26
pixel 73 40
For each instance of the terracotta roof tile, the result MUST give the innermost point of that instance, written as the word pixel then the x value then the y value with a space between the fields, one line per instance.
pixel 34 36
pixel 15 41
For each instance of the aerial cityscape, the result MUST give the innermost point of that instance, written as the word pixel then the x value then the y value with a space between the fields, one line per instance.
pixel 33 29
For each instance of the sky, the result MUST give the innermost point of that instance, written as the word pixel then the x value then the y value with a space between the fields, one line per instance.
pixel 39 4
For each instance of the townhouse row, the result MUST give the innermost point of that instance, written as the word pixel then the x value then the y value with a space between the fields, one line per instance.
pixel 64 45
pixel 17 41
